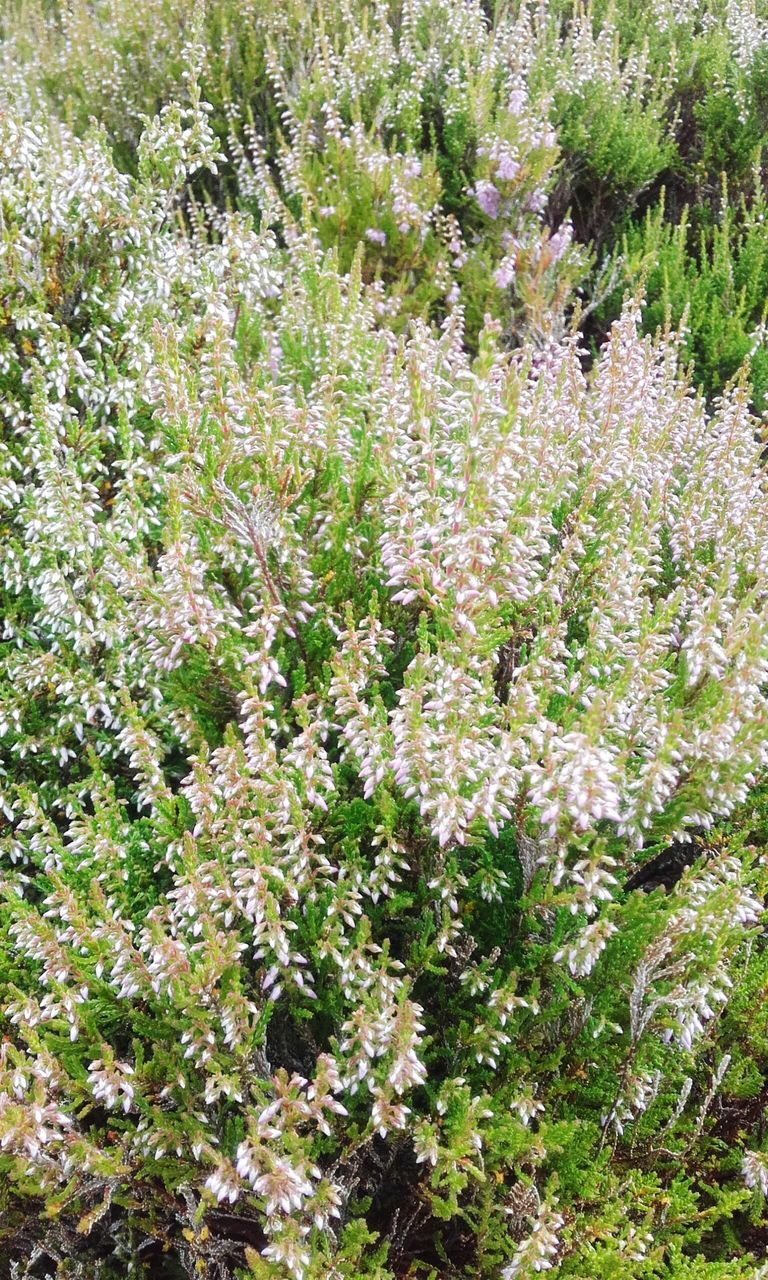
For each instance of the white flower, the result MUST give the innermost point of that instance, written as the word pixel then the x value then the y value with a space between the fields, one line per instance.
pixel 754 1169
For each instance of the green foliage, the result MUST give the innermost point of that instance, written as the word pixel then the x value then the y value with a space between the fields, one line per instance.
pixel 712 276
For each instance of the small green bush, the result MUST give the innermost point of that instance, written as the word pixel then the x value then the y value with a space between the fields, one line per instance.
pixel 713 278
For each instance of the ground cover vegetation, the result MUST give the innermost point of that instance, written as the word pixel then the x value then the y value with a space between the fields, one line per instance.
pixel 384 649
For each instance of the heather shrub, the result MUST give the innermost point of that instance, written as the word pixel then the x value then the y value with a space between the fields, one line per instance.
pixel 382 671
pixel 467 152
pixel 412 133
pixel 712 278
pixel 114 62
pixel 614 120
pixel 460 148
pixel 422 140
pixel 353 687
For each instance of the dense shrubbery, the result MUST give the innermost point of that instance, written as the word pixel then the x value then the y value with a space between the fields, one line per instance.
pixel 385 642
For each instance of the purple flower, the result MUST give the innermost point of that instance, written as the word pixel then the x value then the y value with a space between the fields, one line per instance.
pixel 537 201
pixel 558 243
pixel 517 101
pixel 488 198
pixel 504 273
pixel 507 167
pixel 376 236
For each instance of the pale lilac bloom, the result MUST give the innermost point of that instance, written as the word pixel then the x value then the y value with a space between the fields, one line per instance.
pixel 504 273
pixel 488 198
pixel 517 101
pixel 508 167
pixel 559 241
